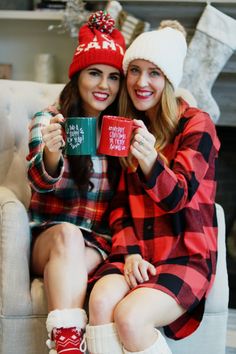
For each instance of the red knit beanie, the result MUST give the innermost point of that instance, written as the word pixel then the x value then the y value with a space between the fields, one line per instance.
pixel 99 43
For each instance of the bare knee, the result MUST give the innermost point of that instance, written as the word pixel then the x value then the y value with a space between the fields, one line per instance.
pixel 127 320
pixel 101 304
pixel 106 294
pixel 67 240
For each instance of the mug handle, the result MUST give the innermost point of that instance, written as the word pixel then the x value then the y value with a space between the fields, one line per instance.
pixel 62 124
pixel 135 126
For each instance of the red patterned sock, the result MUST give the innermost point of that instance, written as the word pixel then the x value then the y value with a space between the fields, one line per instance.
pixel 69 340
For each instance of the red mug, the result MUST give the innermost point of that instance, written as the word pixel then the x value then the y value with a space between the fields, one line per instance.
pixel 116 135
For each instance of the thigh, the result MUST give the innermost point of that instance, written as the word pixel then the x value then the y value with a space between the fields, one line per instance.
pixel 48 240
pixel 92 258
pixel 150 306
pixel 41 248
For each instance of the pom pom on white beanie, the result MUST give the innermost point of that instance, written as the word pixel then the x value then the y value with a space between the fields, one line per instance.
pixel 166 48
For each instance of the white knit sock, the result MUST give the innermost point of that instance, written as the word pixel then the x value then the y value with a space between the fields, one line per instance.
pixel 103 339
pixel 159 347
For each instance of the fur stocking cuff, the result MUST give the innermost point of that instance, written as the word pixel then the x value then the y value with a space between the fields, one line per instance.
pixel 66 318
pixel 218 25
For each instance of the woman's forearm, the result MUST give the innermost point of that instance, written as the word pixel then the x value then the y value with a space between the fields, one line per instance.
pixel 51 161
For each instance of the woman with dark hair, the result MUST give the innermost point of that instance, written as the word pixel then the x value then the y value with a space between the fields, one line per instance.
pixel 164 244
pixel 71 195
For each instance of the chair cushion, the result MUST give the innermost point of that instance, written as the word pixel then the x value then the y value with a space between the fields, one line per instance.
pixel 19 100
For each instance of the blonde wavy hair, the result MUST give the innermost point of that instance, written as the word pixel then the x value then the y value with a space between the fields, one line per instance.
pixel 168 113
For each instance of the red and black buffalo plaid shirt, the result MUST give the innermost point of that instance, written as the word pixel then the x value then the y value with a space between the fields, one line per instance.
pixel 170 219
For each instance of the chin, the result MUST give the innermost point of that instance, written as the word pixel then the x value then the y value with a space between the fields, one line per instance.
pixel 101 105
pixel 140 107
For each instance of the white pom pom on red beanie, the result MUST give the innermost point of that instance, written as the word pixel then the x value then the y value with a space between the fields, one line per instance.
pixel 99 43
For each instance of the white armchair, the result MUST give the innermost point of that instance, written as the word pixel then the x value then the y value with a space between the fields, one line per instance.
pixel 23 307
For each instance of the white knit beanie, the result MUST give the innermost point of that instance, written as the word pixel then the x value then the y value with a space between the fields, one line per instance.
pixel 166 48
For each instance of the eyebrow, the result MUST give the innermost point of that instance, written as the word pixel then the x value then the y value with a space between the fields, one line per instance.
pixel 149 68
pixel 100 71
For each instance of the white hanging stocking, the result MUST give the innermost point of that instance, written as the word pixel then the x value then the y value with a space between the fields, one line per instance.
pixel 212 44
pixel 129 25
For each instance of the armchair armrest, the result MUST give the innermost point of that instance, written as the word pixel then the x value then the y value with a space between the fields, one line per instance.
pixel 218 298
pixel 15 296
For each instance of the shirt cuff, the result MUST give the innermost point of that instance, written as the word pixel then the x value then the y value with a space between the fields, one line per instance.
pixel 157 169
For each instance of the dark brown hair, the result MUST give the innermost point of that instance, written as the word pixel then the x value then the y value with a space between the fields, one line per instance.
pixel 81 167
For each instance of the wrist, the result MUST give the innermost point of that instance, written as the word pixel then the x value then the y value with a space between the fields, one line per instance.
pixel 135 256
pixel 148 165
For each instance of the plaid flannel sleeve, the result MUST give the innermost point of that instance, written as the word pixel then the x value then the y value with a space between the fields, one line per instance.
pixel 172 187
pixel 39 179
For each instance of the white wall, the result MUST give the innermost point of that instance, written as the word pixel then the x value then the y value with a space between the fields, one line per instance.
pixel 22 40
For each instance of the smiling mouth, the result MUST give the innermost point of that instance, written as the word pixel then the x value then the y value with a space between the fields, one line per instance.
pixel 143 94
pixel 99 96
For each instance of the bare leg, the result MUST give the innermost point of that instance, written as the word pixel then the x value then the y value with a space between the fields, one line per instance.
pixel 101 333
pixel 92 259
pixel 60 256
pixel 137 315
pixel 106 294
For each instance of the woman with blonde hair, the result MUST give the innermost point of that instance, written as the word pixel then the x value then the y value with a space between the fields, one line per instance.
pixel 164 244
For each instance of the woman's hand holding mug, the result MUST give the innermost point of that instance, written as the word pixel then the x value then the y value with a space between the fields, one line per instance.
pixel 143 148
pixel 116 135
pixel 52 134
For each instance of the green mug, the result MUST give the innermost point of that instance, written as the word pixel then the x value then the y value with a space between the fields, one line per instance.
pixel 81 135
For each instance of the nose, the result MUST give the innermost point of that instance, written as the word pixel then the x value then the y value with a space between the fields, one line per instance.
pixel 103 84
pixel 142 80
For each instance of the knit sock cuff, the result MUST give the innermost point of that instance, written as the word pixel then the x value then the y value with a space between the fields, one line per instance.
pixel 103 339
pixel 101 330
pixel 160 346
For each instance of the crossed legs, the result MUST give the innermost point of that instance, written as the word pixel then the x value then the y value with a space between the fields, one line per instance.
pixel 60 256
pixel 135 314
